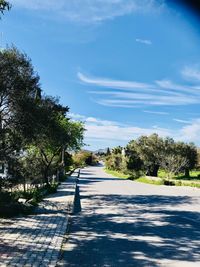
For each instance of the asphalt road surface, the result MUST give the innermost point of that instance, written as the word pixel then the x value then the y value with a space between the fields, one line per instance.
pixel 124 223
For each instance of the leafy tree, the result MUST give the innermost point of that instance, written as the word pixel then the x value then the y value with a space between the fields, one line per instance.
pixel 134 162
pixel 188 151
pixel 83 158
pixel 33 128
pixel 57 135
pixel 173 164
pixel 148 149
pixel 114 161
pixel 19 88
pixel 117 150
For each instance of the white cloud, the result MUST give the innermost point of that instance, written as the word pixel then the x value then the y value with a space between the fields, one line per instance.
pixel 171 86
pixel 144 41
pixel 182 121
pixel 111 130
pixel 105 131
pixel 118 84
pixel 156 112
pixel 191 73
pixel 76 116
pixel 133 94
pixel 92 120
pixel 191 132
pixel 89 10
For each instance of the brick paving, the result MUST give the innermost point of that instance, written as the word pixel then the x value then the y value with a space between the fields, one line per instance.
pixel 36 240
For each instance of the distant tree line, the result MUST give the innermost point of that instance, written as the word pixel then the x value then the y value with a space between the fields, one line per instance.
pixel 148 154
pixel 36 134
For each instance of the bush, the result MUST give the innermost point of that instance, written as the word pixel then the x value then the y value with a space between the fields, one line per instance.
pixel 167 182
pixel 52 188
pixel 84 158
pixel 9 206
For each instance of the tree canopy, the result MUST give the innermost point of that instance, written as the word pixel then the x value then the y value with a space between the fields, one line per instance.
pixel 35 131
pixel 148 154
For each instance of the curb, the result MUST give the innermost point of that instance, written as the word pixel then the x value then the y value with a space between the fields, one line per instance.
pixel 75 175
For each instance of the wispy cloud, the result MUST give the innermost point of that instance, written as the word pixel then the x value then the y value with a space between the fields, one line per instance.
pixel 143 41
pixel 89 10
pixel 118 84
pixel 118 93
pixel 182 121
pixel 156 112
pixel 191 73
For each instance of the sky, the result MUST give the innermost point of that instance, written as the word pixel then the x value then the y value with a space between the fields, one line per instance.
pixel 124 67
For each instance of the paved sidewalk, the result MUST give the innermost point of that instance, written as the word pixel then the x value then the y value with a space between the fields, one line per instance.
pixel 36 240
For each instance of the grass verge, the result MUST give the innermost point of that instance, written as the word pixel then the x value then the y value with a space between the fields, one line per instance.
pixel 161 181
pixel 150 181
pixel 117 174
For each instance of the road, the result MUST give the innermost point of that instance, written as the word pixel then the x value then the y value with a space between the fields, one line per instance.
pixel 124 223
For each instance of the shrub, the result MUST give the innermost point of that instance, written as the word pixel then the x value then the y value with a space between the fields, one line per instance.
pixel 9 206
pixel 168 182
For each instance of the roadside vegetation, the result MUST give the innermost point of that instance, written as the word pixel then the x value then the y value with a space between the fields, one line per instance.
pixel 84 158
pixel 155 160
pixel 37 137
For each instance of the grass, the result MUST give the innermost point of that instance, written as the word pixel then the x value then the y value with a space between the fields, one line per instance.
pixel 193 175
pixel 176 181
pixel 150 181
pixel 117 174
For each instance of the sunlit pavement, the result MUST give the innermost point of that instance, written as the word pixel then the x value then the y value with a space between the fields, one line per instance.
pixel 123 223
pixel 36 240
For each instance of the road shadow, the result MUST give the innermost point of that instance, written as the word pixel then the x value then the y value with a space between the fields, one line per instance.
pixel 77 201
pixel 124 230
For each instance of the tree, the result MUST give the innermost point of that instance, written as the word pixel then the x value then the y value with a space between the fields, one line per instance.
pixel 148 149
pixel 173 164
pixel 4 5
pixel 19 89
pixel 83 158
pixel 117 150
pixel 56 135
pixel 188 151
pixel 134 162
pixel 32 127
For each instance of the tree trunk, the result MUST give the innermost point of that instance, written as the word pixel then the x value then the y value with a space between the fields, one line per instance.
pixel 153 171
pixel 46 172
pixel 187 172
pixel 24 184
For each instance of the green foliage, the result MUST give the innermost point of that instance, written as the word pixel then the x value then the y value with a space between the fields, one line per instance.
pixel 114 162
pixel 8 205
pixel 36 135
pixel 150 181
pixel 84 158
pixel 117 174
pixel 148 154
pixel 148 149
pixel 52 188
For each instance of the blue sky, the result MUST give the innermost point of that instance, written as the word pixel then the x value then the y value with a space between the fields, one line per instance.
pixel 124 67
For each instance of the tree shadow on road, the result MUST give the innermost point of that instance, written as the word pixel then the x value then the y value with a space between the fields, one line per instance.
pixel 124 230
